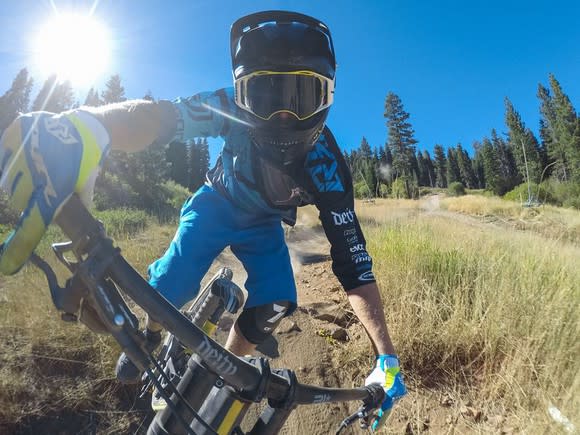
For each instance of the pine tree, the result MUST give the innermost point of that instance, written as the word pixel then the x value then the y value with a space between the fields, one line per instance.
pixel 400 136
pixel 453 172
pixel 401 141
pixel 429 169
pixel 465 168
pixel 440 166
pixel 421 171
pixel 16 99
pixel 177 158
pixel 477 164
pixel 365 151
pixel 204 159
pixel 366 166
pixel 385 168
pixel 523 144
pixel 114 92
pixel 92 98
pixel 43 97
pixel 382 155
pixel 565 132
pixel 348 159
pixel 144 171
pixel 491 168
pixel 64 97
pixel 355 166
pixel 547 122
pixel 54 96
pixel 509 177
pixel 575 153
pixel 198 153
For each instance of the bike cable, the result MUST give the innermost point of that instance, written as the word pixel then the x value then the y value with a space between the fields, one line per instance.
pixel 168 401
pixel 360 414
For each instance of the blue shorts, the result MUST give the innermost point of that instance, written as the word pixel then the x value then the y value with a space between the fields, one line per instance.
pixel 208 224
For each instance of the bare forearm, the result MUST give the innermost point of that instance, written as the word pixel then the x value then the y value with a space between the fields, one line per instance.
pixel 136 124
pixel 366 303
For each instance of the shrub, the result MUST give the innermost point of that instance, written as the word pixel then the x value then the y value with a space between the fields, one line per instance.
pixel 536 193
pixel 404 189
pixel 456 189
pixel 123 222
pixel 111 192
pixel 398 189
pixel 427 191
pixel 361 190
pixel 384 190
pixel 176 194
pixel 563 194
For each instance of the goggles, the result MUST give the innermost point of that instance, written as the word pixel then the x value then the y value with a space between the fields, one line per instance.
pixel 300 93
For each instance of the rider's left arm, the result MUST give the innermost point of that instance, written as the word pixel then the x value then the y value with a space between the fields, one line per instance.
pixel 367 305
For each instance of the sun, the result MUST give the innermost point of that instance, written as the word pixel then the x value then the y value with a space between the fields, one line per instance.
pixel 74 47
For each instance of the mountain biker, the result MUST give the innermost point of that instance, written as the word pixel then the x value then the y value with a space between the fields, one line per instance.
pixel 277 155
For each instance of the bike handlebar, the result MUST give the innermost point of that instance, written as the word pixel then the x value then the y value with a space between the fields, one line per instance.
pixel 87 237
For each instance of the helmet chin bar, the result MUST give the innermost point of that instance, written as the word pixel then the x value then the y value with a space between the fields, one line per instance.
pixel 282 150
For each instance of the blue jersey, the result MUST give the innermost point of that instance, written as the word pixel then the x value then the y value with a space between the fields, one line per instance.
pixel 255 185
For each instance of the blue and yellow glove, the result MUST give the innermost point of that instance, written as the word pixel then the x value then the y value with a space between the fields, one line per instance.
pixel 388 374
pixel 44 159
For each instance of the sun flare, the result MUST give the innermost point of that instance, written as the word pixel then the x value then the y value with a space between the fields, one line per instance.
pixel 75 47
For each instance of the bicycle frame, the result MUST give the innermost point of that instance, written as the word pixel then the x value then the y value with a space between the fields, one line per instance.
pixel 235 382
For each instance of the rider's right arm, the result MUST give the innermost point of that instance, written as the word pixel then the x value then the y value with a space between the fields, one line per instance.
pixel 136 124
pixel 46 157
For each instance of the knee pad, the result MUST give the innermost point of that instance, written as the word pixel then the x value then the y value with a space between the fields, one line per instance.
pixel 257 323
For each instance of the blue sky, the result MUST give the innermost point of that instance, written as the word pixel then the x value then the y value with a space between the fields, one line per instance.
pixel 451 62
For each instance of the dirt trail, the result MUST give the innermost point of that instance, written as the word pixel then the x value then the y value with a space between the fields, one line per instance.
pixel 305 343
pixel 312 339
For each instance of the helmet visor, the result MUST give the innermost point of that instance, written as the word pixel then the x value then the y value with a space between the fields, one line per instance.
pixel 300 93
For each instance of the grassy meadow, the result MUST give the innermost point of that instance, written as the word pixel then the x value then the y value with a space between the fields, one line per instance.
pixel 482 299
pixel 489 308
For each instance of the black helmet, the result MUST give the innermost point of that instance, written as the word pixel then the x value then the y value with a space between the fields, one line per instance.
pixel 284 67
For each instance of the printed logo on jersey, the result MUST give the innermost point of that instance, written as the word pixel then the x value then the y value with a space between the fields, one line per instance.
pixel 362 257
pixel 323 169
pixel 366 276
pixel 357 248
pixel 61 130
pixel 343 217
pixel 352 240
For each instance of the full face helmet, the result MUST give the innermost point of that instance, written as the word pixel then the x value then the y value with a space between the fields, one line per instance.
pixel 284 73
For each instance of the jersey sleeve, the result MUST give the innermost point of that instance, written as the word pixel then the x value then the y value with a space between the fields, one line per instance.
pixel 332 183
pixel 206 114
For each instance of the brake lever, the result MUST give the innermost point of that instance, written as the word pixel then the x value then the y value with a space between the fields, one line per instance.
pixel 362 414
pixel 60 249
pixel 56 291
pixel 373 402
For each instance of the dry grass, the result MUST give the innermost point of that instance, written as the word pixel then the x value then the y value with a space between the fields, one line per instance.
pixel 552 222
pixel 50 369
pixel 482 310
